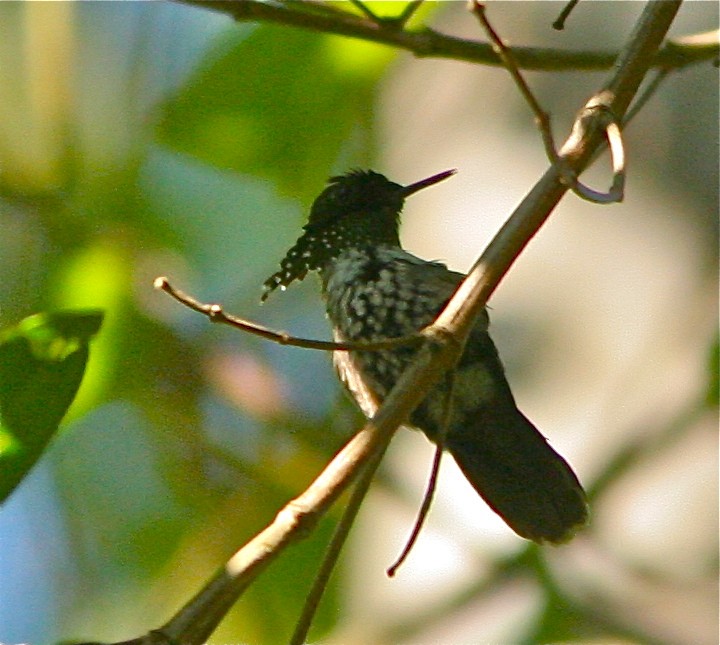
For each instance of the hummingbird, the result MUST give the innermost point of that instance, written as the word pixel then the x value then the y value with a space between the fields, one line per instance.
pixel 373 290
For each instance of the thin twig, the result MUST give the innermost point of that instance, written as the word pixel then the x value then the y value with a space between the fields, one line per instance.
pixel 364 9
pixel 432 481
pixel 614 138
pixel 542 118
pixel 391 22
pixel 408 12
pixel 559 22
pixel 633 63
pixel 613 134
pixel 216 314
pixel 647 94
pixel 195 622
pixel 332 553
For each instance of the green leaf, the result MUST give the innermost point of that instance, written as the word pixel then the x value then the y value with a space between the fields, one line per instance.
pixel 42 362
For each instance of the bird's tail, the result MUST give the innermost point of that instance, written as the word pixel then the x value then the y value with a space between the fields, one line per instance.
pixel 514 469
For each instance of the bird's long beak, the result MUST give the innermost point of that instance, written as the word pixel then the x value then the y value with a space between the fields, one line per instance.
pixel 406 191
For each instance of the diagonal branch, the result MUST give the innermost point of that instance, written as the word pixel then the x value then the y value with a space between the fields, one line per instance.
pixel 332 553
pixel 196 621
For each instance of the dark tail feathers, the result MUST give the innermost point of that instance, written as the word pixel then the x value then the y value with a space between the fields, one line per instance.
pixel 514 469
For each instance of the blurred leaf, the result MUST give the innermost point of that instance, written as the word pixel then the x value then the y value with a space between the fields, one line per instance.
pixel 37 96
pixel 96 277
pixel 42 362
pixel 282 104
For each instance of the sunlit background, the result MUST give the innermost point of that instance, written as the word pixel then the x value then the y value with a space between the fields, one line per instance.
pixel 143 139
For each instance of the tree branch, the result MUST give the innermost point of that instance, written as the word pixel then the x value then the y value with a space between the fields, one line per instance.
pixel 197 620
pixel 426 42
pixel 332 553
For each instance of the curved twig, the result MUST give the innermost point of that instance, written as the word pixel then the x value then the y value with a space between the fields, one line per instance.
pixel 505 54
pixel 332 553
pixel 559 22
pixel 432 480
pixel 613 133
pixel 542 120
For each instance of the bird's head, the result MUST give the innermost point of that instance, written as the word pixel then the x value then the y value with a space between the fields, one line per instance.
pixel 359 208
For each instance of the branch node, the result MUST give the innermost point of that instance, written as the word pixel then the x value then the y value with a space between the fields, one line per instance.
pixel 440 338
pixel 298 518
pixel 216 314
pixel 364 9
pixel 160 283
pixel 597 112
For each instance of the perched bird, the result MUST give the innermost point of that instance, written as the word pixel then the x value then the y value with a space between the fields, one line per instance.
pixel 374 289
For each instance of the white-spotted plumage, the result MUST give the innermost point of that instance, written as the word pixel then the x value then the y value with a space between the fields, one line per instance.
pixel 374 290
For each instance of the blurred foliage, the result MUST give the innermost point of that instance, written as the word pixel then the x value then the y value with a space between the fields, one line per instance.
pixel 121 158
pixel 279 104
pixel 42 362
pixel 140 139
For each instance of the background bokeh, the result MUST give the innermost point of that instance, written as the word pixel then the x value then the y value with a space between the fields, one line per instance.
pixel 143 139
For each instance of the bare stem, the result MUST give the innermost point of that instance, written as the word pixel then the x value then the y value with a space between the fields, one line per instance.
pixel 195 622
pixel 312 602
pixel 409 11
pixel 542 120
pixel 633 63
pixel 647 94
pixel 216 314
pixel 359 4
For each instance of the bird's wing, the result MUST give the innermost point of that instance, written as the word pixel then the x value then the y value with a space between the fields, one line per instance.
pixel 436 279
pixel 366 399
pixel 433 276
